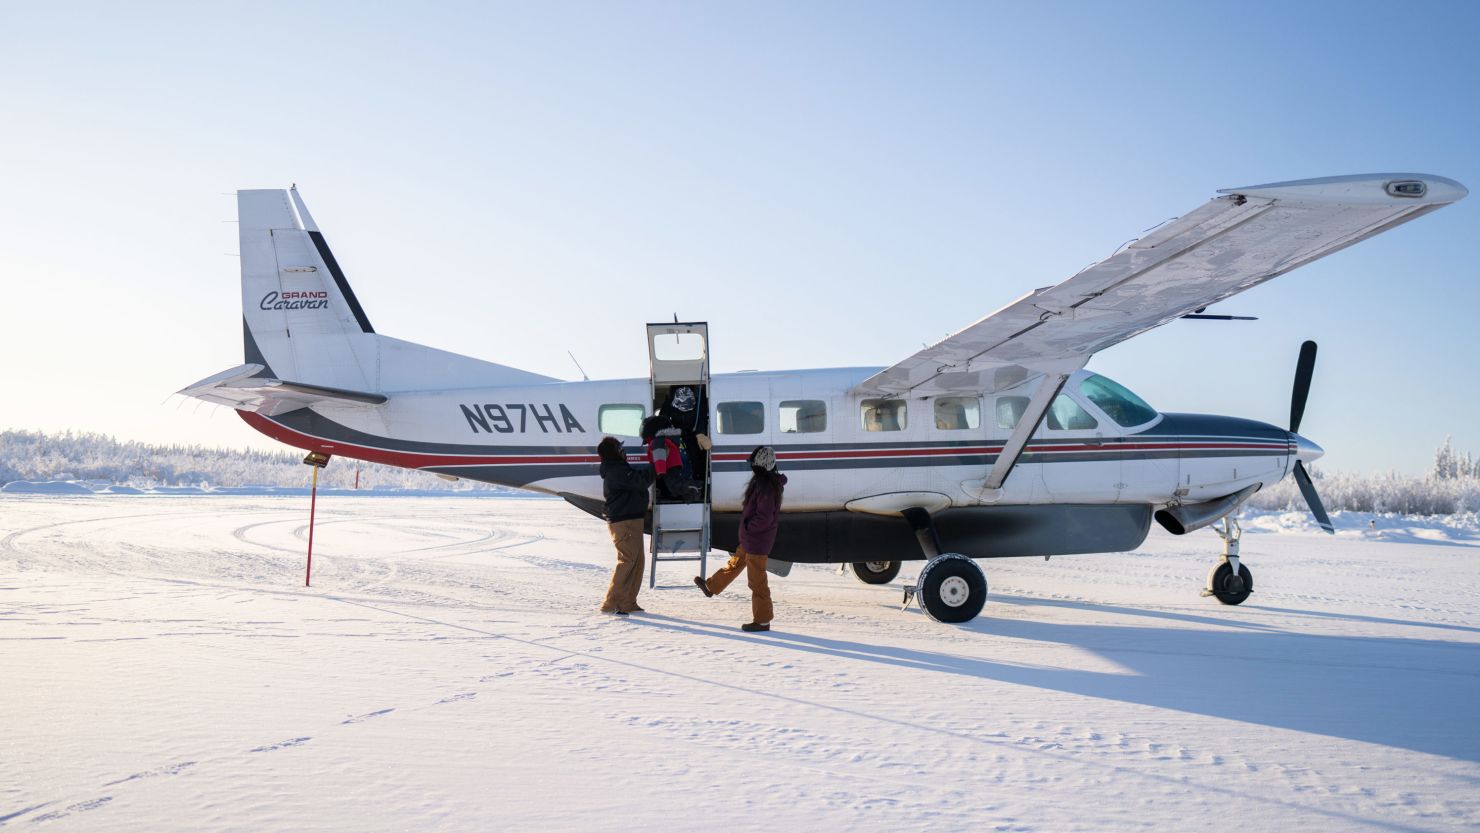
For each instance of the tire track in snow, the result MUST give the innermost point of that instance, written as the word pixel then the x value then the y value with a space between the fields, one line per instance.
pixel 1233 795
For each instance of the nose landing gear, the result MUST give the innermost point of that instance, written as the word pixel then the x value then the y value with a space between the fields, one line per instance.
pixel 1230 582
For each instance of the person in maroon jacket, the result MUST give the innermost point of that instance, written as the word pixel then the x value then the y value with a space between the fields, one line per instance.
pixel 758 521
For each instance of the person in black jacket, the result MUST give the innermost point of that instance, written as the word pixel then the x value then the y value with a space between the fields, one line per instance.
pixel 626 493
pixel 686 407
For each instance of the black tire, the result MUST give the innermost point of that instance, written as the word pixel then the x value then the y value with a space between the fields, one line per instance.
pixel 876 572
pixel 952 589
pixel 1228 588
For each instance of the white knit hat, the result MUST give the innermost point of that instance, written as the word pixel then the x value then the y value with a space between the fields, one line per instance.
pixel 764 457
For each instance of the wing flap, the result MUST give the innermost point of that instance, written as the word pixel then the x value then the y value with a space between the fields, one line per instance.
pixel 245 388
pixel 1232 243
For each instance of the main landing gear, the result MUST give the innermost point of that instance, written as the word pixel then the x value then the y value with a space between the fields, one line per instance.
pixel 876 572
pixel 951 588
pixel 1229 581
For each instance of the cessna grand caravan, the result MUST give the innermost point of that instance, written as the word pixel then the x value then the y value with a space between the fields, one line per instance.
pixel 994 442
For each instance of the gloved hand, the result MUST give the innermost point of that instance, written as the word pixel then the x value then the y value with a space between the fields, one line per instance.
pixel 703 440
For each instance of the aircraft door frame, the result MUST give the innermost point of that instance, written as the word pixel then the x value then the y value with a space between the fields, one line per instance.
pixel 1091 470
pixel 678 365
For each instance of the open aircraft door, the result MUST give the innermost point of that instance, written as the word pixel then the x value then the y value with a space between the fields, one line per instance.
pixel 678 356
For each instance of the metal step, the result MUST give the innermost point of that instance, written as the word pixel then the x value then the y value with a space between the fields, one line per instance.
pixel 680 532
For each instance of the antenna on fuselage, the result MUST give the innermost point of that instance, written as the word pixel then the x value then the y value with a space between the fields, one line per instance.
pixel 584 377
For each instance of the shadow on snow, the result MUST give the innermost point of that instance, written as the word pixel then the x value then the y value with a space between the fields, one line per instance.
pixel 1405 693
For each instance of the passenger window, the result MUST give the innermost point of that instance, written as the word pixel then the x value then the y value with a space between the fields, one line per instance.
pixel 1066 415
pixel 1010 410
pixel 741 417
pixel 957 413
pixel 885 415
pixel 803 416
pixel 620 420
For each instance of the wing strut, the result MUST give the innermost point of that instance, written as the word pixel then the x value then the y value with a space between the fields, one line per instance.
pixel 1027 424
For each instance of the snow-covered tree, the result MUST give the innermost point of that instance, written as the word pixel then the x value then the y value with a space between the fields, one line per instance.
pixel 33 455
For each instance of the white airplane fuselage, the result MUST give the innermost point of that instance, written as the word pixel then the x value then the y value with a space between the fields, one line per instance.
pixel 542 437
pixel 991 442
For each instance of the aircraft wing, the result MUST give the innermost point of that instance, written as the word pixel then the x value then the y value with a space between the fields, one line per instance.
pixel 1236 241
pixel 244 389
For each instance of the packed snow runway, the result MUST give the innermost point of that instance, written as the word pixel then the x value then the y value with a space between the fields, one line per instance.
pixel 164 669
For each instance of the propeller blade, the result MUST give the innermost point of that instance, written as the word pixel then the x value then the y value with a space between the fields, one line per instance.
pixel 1313 500
pixel 1305 367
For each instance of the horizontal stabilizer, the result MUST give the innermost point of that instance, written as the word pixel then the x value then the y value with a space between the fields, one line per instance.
pixel 244 389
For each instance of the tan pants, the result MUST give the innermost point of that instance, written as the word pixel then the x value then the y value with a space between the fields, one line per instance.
pixel 627 576
pixel 755 573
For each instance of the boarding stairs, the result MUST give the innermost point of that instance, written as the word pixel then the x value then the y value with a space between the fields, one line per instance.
pixel 678 355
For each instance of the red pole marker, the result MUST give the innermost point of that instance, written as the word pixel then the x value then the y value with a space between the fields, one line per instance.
pixel 312 505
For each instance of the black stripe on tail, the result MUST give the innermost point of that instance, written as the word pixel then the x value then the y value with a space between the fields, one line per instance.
pixel 339 279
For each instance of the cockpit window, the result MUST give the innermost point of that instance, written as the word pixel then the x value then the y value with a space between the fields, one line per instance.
pixel 1066 415
pixel 1118 403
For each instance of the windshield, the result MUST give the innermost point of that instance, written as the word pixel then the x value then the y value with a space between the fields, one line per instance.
pixel 1119 404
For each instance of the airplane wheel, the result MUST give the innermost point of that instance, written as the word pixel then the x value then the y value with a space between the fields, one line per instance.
pixel 952 589
pixel 876 572
pixel 1228 588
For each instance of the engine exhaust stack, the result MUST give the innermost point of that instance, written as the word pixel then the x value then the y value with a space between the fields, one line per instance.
pixel 1180 520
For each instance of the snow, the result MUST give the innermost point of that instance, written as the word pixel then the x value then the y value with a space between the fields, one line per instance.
pixel 46 487
pixel 164 669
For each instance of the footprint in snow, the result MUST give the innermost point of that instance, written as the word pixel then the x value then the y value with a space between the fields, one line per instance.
pixel 284 745
pixel 172 769
pixel 79 807
pixel 361 718
pixel 466 695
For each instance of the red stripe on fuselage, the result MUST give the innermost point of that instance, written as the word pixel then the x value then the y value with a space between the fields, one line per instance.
pixel 404 459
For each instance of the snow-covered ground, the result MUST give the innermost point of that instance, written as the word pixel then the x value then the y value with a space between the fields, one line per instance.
pixel 163 669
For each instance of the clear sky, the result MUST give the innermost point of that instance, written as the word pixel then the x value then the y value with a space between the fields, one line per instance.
pixel 826 183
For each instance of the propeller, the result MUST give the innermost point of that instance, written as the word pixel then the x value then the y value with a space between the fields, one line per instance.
pixel 1305 368
pixel 1312 499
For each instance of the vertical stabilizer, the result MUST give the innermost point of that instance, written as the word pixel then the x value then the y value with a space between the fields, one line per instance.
pixel 301 319
pixel 302 322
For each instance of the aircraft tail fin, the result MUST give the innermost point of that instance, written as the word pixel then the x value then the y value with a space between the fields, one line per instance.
pixel 302 320
pixel 307 340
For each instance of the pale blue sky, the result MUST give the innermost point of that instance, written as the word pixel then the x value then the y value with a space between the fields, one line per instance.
pixel 826 183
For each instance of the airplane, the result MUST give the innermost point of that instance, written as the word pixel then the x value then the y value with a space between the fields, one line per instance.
pixel 994 442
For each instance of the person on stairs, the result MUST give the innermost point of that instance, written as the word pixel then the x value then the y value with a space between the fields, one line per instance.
pixel 667 460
